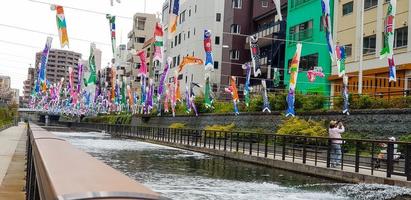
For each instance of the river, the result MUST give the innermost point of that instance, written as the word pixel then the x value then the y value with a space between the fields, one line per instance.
pixel 185 175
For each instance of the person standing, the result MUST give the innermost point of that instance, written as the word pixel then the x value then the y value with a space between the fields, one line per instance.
pixel 335 131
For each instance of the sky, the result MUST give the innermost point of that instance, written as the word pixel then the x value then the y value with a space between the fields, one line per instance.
pixel 29 14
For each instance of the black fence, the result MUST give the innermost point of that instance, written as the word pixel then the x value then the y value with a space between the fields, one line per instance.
pixel 372 157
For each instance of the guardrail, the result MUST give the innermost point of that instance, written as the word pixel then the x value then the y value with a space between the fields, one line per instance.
pixel 386 158
pixel 57 170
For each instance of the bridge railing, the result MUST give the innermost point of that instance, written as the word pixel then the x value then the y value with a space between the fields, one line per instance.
pixel 57 170
pixel 386 158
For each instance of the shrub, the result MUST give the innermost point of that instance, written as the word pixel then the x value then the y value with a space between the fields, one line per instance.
pixel 177 125
pixel 216 127
pixel 278 101
pixel 301 127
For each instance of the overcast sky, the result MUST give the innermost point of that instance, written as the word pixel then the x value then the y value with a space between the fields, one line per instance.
pixel 16 59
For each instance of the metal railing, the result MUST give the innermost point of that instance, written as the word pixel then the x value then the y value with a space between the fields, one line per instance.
pixel 57 170
pixel 372 157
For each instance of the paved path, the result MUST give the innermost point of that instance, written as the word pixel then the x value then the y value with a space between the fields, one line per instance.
pixel 12 162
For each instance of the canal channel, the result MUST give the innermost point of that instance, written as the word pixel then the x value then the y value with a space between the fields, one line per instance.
pixel 185 175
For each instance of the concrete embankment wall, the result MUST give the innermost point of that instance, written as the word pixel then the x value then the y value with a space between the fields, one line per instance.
pixel 388 122
pixel 336 174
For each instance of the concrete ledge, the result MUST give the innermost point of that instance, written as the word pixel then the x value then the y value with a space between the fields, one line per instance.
pixel 335 174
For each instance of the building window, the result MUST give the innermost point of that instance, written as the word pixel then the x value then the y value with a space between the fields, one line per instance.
pixel 218 17
pixel 188 35
pixel 348 8
pixel 141 23
pixel 195 8
pixel 217 40
pixel 234 54
pixel 369 44
pixel 175 40
pixel 215 64
pixel 348 50
pixel 140 40
pixel 235 28
pixel 401 37
pixel 264 3
pixel 172 44
pixel 179 38
pixel 300 32
pixel 237 4
pixel 174 62
pixel 182 17
pixel 189 13
pixel 178 60
pixel 297 3
pixel 307 62
pixel 370 4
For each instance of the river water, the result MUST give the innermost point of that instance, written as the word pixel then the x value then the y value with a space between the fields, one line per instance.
pixel 185 175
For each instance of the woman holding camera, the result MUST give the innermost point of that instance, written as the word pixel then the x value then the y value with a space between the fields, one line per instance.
pixel 335 131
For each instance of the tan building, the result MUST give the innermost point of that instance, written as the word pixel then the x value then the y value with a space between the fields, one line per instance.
pixel 347 20
pixel 28 85
pixel 58 65
pixel 5 82
pixel 8 95
pixel 143 30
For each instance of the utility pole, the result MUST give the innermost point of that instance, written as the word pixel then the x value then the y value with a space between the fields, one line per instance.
pixel 361 48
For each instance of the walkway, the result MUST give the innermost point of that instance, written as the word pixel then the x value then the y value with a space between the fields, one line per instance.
pixel 12 162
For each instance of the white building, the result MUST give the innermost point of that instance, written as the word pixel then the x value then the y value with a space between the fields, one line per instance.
pixel 195 17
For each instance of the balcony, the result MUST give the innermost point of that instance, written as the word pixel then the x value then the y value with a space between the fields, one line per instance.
pixel 301 36
pixel 266 31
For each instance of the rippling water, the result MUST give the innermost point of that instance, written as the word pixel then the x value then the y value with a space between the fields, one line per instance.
pixel 186 175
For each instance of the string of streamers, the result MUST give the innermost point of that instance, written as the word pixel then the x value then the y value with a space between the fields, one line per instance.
pixel 293 80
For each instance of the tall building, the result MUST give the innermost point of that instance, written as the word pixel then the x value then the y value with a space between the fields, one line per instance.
pixel 8 95
pixel 142 31
pixel 28 85
pixel 58 65
pixel 309 29
pixel 375 70
pixel 5 82
pixel 266 25
pixel 195 17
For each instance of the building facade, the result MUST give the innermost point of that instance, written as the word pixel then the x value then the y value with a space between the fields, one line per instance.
pixel 8 95
pixel 375 71
pixel 28 86
pixel 266 25
pixel 142 31
pixel 195 17
pixel 58 65
pixel 304 24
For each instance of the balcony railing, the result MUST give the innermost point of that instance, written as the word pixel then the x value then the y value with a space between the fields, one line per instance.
pixel 301 36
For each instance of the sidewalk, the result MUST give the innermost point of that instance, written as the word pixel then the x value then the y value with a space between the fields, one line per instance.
pixel 12 162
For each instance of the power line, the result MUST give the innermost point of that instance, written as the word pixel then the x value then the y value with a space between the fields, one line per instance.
pixel 50 34
pixel 331 74
pixel 20 44
pixel 276 39
pixel 81 9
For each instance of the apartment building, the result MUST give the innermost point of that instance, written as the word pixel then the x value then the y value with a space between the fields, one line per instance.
pixel 195 17
pixel 266 25
pixel 142 31
pixel 8 95
pixel 375 71
pixel 28 85
pixel 58 65
pixel 305 24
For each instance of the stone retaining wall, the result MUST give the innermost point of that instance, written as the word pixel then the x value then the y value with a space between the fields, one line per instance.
pixel 392 122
